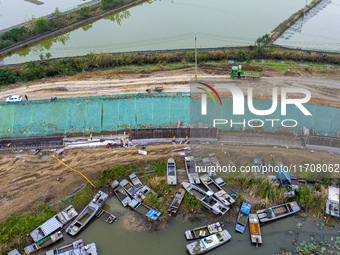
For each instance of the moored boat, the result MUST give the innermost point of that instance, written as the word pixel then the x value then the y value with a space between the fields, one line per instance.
pixel 53 224
pixel 43 243
pixel 76 248
pixel 144 209
pixel 135 181
pixel 88 213
pixel 220 182
pixel 176 202
pixel 128 187
pixel 278 211
pixel 171 172
pixel 14 252
pixel 120 193
pixel 193 175
pixel 242 218
pixel 207 199
pixel 203 231
pixel 142 193
pixel 332 204
pixel 208 243
pixel 219 193
pixel 254 228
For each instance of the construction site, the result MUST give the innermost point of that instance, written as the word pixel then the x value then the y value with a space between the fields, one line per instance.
pixel 92 122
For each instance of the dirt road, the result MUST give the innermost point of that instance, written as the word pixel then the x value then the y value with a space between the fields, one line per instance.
pixel 27 180
pixel 178 80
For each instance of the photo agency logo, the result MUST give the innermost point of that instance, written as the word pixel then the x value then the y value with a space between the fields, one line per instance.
pixel 239 102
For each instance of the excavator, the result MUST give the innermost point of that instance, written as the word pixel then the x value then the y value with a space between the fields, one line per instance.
pixel 237 72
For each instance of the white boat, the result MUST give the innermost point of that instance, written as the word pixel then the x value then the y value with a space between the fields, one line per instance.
pixel 43 243
pixel 135 181
pixel 219 193
pixel 190 166
pixel 142 193
pixel 203 231
pixel 208 243
pixel 278 211
pixel 128 187
pixel 332 204
pixel 120 192
pixel 76 248
pixel 53 224
pixel 171 172
pixel 207 199
pixel 88 213
pixel 176 202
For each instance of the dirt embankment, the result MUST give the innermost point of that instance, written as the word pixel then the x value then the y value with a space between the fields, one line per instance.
pixel 323 85
pixel 27 180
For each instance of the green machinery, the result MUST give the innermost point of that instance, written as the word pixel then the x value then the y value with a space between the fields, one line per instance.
pixel 237 72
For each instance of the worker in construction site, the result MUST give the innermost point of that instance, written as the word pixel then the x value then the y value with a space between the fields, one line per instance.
pixel 129 137
pixel 121 141
pixel 91 136
pixel 187 140
pixel 9 145
pixel 174 140
pixel 127 143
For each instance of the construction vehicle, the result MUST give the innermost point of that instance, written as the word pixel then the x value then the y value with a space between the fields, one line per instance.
pixel 237 72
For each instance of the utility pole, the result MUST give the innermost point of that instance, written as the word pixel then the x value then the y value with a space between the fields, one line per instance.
pixel 196 55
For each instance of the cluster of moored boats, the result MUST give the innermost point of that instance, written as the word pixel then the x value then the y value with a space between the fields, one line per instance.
pixel 214 194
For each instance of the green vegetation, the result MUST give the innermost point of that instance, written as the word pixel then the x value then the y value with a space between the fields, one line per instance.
pixel 191 202
pixel 70 66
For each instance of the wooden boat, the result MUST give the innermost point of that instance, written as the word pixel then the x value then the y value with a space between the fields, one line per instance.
pixel 207 199
pixel 243 217
pixel 76 248
pixel 143 192
pixel 219 193
pixel 128 187
pixel 135 181
pixel 254 228
pixel 106 216
pixel 53 224
pixel 193 175
pixel 88 213
pixel 171 172
pixel 203 231
pixel 332 204
pixel 220 182
pixel 120 193
pixel 208 243
pixel 144 209
pixel 176 202
pixel 44 243
pixel 278 211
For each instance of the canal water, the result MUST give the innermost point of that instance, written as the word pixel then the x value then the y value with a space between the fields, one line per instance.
pixel 114 239
pixel 169 24
pixel 14 12
pixel 319 29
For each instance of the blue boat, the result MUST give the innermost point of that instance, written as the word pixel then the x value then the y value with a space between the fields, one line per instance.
pixel 285 181
pixel 243 217
pixel 144 209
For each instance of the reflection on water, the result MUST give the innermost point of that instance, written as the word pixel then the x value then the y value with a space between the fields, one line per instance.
pixel 118 17
pixel 166 24
pixel 45 45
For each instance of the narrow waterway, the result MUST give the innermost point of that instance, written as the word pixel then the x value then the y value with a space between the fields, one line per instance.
pixel 115 239
pixel 169 24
